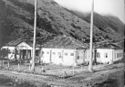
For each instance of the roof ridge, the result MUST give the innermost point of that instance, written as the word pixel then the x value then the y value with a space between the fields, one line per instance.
pixel 64 41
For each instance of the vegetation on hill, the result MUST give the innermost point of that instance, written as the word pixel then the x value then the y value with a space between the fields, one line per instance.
pixel 111 25
pixel 16 21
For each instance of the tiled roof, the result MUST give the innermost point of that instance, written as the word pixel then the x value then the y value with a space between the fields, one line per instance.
pixel 110 46
pixel 15 42
pixel 31 44
pixel 63 41
pixel 18 41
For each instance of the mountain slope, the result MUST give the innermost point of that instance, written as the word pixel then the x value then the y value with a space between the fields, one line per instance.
pixel 103 22
pixel 16 21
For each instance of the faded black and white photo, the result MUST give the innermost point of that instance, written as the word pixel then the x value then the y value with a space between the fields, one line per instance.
pixel 62 43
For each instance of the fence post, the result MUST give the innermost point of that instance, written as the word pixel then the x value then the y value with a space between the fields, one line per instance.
pixel 29 66
pixel 8 65
pixel 18 67
pixel 3 63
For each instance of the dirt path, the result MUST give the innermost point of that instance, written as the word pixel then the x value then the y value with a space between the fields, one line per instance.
pixel 83 78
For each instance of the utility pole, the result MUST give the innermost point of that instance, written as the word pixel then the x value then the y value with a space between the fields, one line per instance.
pixel 90 68
pixel 34 36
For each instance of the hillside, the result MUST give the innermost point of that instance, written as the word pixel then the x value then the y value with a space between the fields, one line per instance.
pixel 16 21
pixel 106 23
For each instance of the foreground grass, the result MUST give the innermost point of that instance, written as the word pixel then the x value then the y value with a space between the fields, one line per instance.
pixel 15 82
pixel 109 76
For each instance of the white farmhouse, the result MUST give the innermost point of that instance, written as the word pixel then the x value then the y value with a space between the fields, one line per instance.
pixel 63 50
pixel 68 51
pixel 109 53
pixel 20 49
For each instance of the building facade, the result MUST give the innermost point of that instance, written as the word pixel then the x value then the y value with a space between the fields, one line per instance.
pixel 109 54
pixel 20 50
pixel 63 56
pixel 63 50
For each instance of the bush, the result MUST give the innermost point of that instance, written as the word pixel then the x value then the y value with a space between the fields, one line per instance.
pixel 4 53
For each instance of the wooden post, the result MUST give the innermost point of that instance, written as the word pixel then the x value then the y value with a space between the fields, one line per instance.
pixel 8 65
pixel 18 67
pixel 29 66
pixel 3 63
pixel 90 68
pixel 74 64
pixel 34 37
pixel 73 70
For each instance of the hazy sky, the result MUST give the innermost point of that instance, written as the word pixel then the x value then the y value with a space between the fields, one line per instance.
pixel 111 7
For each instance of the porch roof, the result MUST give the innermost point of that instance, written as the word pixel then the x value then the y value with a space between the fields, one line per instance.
pixel 15 43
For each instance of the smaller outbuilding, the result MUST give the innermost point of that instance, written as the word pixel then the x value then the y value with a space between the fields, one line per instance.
pixel 20 49
pixel 108 53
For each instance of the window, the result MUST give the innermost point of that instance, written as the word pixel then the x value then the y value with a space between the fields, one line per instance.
pixel 78 57
pixel 119 55
pixel 66 54
pixel 59 54
pixel 42 52
pixel 106 55
pixel 37 52
pixel 54 53
pixel 72 54
pixel 47 52
pixel 98 55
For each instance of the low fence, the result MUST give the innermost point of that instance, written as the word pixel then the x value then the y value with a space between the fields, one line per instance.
pixel 14 65
pixel 52 70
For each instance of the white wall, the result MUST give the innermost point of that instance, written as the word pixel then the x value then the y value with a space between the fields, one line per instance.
pixel 118 55
pixel 45 55
pixel 24 46
pixel 69 56
pixel 87 55
pixel 11 48
pixel 62 56
pixel 113 55
pixel 80 56
pixel 57 56
pixel 103 58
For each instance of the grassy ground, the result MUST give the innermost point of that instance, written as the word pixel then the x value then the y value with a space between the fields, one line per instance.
pixel 51 69
pixel 4 81
pixel 81 75
pixel 13 82
pixel 104 76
